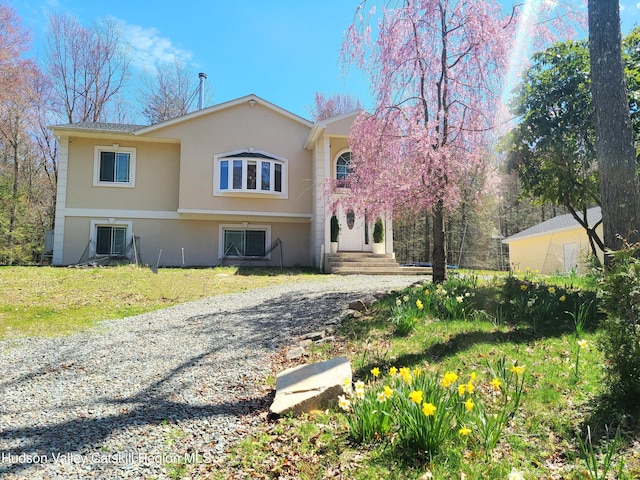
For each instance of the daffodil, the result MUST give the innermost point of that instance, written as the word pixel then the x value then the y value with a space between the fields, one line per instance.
pixel 375 371
pixel 552 290
pixel 523 287
pixel 459 298
pixel 381 397
pixel 496 383
pixel 515 475
pixel 582 343
pixel 518 369
pixel 416 396
pixel 359 393
pixel 461 389
pixel 464 431
pixel 388 391
pixel 419 304
pixel 405 373
pixel 449 378
pixel 562 298
pixel 344 403
pixel 472 377
pixel 393 371
pixel 469 405
pixel 428 409
pixel 470 388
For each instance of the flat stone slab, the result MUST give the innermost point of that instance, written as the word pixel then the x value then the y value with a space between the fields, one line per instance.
pixel 310 387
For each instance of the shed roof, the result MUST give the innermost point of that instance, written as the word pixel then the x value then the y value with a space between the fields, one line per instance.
pixel 556 224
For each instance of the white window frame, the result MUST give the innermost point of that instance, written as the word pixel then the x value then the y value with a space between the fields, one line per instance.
pixel 339 182
pixel 116 149
pixel 243 226
pixel 248 192
pixel 107 222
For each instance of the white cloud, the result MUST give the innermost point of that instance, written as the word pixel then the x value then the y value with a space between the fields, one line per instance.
pixel 149 48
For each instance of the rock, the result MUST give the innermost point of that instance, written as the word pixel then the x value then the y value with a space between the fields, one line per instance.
pixel 310 387
pixel 313 336
pixel 358 306
pixel 295 353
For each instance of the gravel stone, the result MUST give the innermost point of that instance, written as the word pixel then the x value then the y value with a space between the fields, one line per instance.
pixel 132 397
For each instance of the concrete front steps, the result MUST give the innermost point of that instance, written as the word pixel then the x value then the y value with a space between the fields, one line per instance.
pixel 352 263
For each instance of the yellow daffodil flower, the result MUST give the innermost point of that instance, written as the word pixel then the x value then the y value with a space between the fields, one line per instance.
pixel 582 343
pixel 496 383
pixel 388 391
pixel 343 402
pixel 518 369
pixel 464 431
pixel 428 409
pixel 381 397
pixel 449 378
pixel 419 304
pixel 416 396
pixel 375 371
pixel 393 371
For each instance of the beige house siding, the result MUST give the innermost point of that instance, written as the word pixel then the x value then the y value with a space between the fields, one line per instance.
pixel 241 128
pixel 547 253
pixel 172 203
pixel 167 242
pixel 157 177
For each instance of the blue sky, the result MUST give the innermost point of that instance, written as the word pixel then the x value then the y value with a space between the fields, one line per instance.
pixel 281 50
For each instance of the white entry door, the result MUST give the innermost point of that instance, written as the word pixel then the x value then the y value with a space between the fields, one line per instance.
pixel 352 231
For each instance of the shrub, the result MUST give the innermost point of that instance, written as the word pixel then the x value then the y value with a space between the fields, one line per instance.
pixel 620 335
pixel 378 231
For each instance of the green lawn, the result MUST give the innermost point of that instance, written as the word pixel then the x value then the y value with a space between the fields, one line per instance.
pixel 558 406
pixel 51 301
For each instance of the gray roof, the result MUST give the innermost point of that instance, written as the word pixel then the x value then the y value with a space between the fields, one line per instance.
pixel 561 222
pixel 101 126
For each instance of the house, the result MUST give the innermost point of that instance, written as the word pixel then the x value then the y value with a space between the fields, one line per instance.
pixel 559 244
pixel 241 180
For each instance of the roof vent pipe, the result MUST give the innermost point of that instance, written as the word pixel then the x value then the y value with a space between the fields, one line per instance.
pixel 202 77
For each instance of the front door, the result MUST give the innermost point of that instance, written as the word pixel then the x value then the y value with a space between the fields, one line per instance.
pixel 352 231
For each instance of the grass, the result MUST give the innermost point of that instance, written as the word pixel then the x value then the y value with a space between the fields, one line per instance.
pixel 48 301
pixel 542 440
pixel 558 406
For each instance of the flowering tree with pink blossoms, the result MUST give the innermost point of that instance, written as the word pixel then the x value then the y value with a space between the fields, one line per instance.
pixel 436 69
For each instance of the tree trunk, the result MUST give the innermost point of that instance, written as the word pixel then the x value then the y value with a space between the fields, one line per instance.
pixel 439 250
pixel 427 237
pixel 614 133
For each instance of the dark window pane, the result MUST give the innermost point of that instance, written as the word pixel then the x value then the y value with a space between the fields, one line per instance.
pixel 255 241
pixel 103 241
pixel 251 175
pixel 234 242
pixel 107 166
pixel 237 174
pixel 119 241
pixel 278 177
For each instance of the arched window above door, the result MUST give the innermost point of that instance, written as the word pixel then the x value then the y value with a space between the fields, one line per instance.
pixel 343 167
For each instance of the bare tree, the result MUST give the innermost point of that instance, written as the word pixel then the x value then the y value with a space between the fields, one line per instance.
pixel 168 93
pixel 324 107
pixel 87 66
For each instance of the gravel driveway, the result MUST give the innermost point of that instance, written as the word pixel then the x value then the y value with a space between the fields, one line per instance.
pixel 133 396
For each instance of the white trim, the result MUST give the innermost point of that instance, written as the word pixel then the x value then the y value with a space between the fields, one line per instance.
pixel 257 192
pixel 173 215
pixel 243 226
pixel 110 222
pixel 61 201
pixel 244 213
pixel 117 149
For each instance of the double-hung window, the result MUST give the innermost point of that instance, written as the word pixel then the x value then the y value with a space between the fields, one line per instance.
pixel 114 166
pixel 250 173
